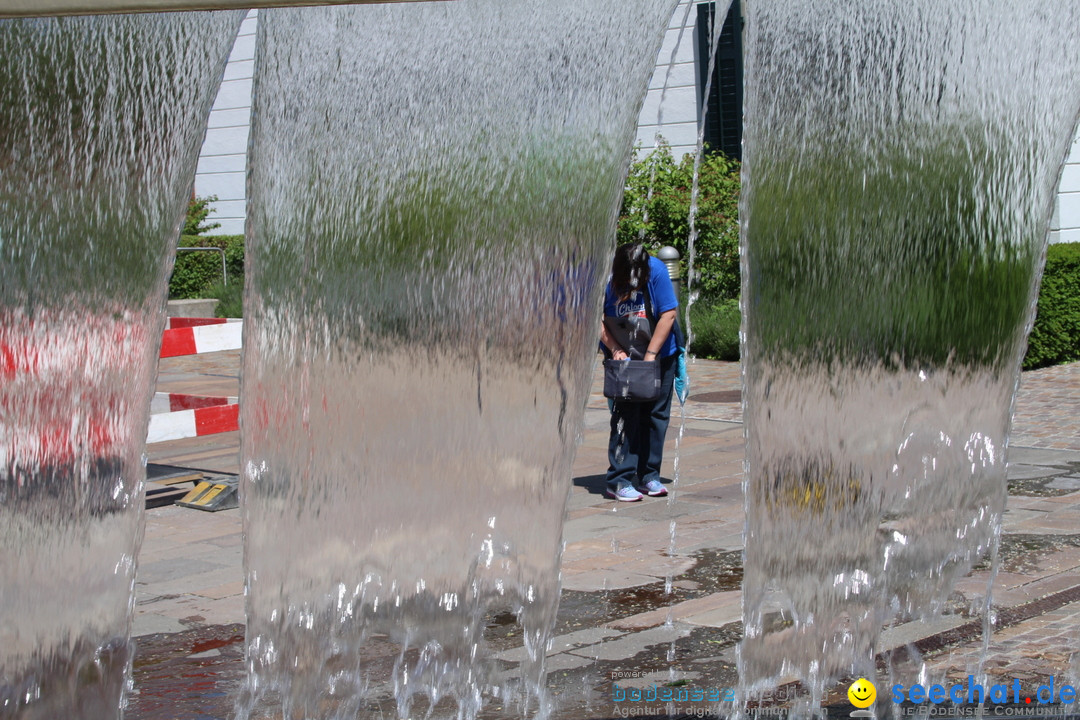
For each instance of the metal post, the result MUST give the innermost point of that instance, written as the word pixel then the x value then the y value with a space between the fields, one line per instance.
pixel 41 8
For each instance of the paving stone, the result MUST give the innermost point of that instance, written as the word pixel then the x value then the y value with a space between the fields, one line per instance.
pixel 656 536
pixel 584 510
pixel 150 623
pixel 566 661
pixel 206 551
pixel 686 584
pixel 586 549
pixel 687 611
pixel 1011 580
pixel 606 579
pixel 1065 483
pixel 228 540
pixel 196 582
pixel 195 610
pixel 1049 585
pixel 564 643
pixel 725 612
pixel 658 565
pixel 167 571
pixel 1015 519
pixel 1055 525
pixel 580 638
pixel 235 588
pixel 589 564
pixel 606 524
pixel 731 541
pixel 902 635
pixel 1070 502
pixel 631 644
pixel 1031 455
pixel 1020 471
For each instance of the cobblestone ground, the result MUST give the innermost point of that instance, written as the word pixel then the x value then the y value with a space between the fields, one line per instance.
pixel 1047 412
pixel 651 589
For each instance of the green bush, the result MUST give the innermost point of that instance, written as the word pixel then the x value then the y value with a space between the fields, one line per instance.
pixel 1055 338
pixel 663 218
pixel 715 328
pixel 404 256
pixel 195 273
pixel 198 274
pixel 230 297
pixel 880 253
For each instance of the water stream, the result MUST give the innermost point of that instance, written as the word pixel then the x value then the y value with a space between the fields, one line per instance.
pixel 102 120
pixel 433 195
pixel 433 192
pixel 901 161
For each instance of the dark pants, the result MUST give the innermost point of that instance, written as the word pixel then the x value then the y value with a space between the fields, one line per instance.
pixel 636 445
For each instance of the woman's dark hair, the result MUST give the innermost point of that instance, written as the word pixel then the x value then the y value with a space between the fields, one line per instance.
pixel 629 269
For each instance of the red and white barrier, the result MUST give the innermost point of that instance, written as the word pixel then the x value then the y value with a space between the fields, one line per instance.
pixel 197 339
pixel 193 423
pixel 175 416
pixel 175 323
pixel 174 402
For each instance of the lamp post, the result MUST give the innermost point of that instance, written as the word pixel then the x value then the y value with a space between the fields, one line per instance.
pixel 670 257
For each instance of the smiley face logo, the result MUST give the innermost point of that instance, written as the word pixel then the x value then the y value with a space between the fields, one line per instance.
pixel 862 693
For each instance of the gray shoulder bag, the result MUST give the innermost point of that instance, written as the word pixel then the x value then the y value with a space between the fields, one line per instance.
pixel 636 379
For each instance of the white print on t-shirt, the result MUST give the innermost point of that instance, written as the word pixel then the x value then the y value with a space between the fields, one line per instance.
pixel 628 308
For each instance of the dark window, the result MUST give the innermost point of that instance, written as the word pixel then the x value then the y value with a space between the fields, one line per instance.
pixel 723 107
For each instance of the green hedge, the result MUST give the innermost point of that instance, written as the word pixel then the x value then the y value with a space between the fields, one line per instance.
pixel 888 255
pixel 1055 338
pixel 196 273
pixel 715 326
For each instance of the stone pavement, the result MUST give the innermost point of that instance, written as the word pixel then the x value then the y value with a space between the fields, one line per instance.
pixel 617 612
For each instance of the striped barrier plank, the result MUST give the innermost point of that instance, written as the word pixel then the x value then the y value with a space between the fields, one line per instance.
pixel 201 339
pixel 193 423
pixel 176 323
pixel 176 416
pixel 173 402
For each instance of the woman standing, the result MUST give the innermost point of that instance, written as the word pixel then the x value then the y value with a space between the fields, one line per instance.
pixel 639 318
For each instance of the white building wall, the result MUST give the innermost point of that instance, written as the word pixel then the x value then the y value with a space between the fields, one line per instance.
pixel 675 66
pixel 1065 226
pixel 221 169
pixel 223 160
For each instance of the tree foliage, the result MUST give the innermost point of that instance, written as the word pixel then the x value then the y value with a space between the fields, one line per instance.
pixel 656 211
pixel 197 213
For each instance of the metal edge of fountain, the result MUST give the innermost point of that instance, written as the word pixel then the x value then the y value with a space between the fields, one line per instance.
pixel 43 8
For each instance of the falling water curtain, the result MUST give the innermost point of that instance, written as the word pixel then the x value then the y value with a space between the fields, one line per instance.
pixel 434 188
pixel 101 121
pixel 900 167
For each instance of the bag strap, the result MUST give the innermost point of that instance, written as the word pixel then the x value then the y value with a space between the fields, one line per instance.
pixel 678 336
pixel 652 321
pixel 648 310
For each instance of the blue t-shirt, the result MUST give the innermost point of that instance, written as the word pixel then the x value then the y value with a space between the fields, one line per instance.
pixel 662 295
